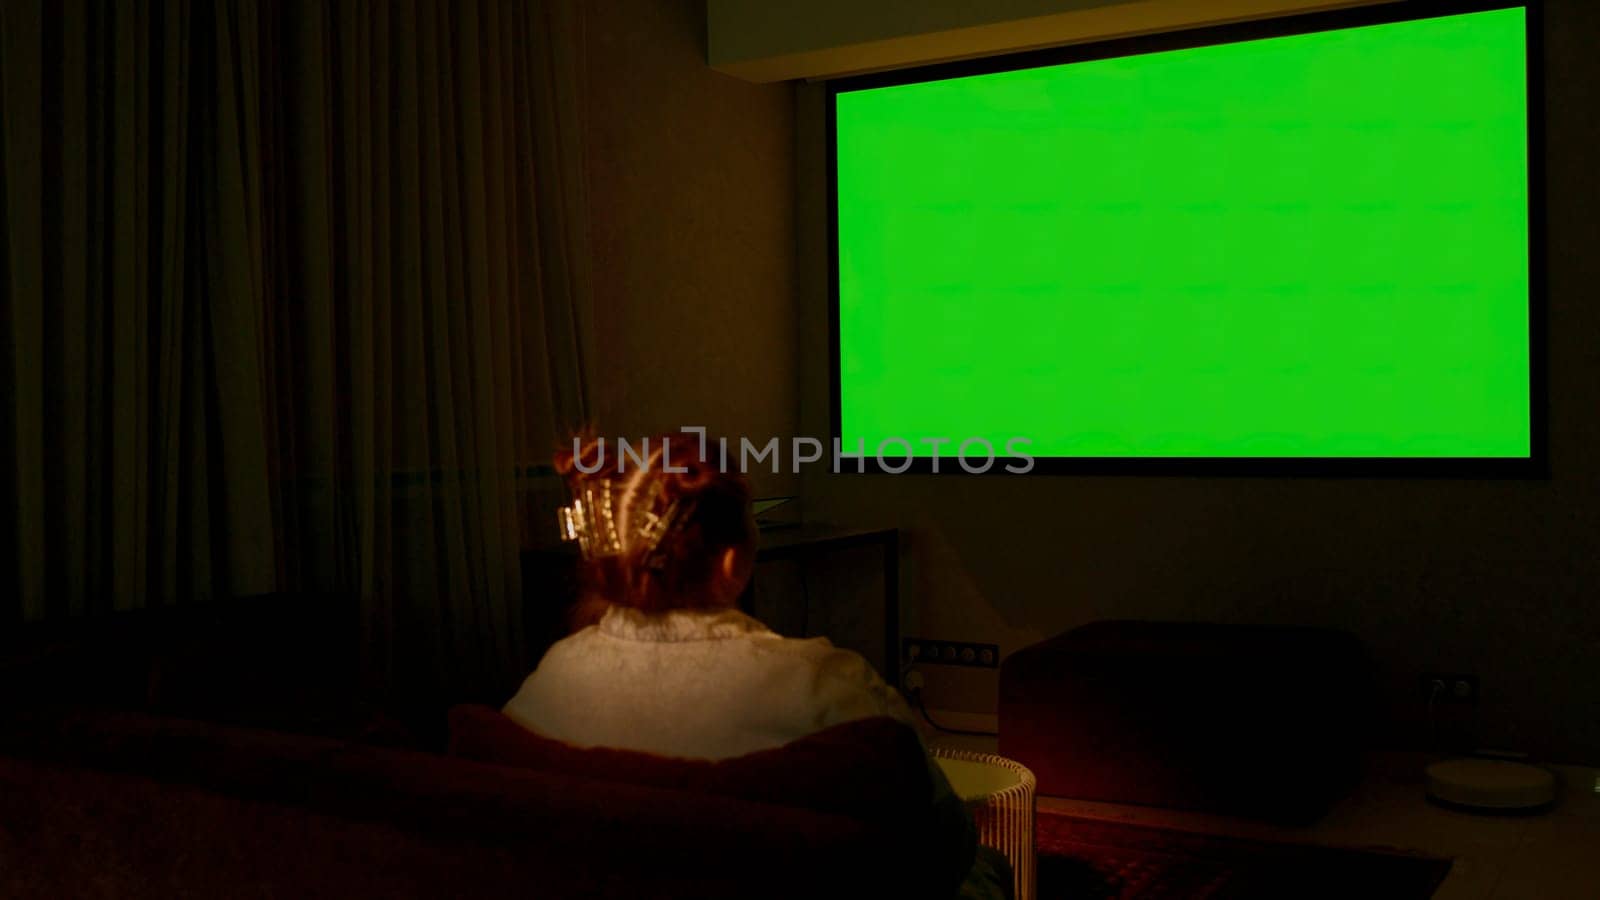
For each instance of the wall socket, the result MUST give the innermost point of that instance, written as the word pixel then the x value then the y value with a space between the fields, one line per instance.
pixel 949 653
pixel 1448 687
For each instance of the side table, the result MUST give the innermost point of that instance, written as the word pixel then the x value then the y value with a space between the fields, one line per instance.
pixel 1000 793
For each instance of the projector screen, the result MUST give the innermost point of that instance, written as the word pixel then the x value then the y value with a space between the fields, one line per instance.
pixel 1312 245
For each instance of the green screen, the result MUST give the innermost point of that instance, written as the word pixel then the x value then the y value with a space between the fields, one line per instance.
pixel 1305 246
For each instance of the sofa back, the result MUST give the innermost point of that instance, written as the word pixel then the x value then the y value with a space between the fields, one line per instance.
pixel 872 769
pixel 126 805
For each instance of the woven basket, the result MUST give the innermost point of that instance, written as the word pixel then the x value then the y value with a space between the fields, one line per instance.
pixel 1005 818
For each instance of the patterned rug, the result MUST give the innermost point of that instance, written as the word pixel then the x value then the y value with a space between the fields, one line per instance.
pixel 1091 859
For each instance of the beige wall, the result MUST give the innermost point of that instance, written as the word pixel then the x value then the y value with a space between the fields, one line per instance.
pixel 1493 577
pixel 694 199
pixel 691 205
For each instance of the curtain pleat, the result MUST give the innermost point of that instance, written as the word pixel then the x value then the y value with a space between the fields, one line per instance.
pixel 234 304
pixel 169 122
pixel 294 299
pixel 67 259
pixel 130 247
pixel 24 72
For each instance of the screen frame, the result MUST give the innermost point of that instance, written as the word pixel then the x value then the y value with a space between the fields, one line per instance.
pixel 1532 467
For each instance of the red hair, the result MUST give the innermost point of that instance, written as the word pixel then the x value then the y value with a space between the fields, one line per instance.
pixel 680 570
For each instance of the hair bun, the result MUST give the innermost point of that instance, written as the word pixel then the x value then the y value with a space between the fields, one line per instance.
pixel 684 471
pixel 706 511
pixel 674 460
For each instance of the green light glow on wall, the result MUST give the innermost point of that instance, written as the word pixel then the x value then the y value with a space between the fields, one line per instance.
pixel 1305 246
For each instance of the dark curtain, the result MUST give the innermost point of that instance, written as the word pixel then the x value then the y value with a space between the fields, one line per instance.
pixel 290 305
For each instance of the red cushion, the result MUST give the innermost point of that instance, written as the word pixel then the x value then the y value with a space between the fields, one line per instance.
pixel 870 769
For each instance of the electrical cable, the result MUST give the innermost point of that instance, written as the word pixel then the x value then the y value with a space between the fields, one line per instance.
pixel 922 707
pixel 1432 715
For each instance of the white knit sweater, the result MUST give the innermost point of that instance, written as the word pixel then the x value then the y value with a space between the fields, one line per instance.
pixel 706 685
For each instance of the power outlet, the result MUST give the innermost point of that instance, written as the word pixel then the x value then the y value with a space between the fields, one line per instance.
pixel 1440 688
pixel 949 653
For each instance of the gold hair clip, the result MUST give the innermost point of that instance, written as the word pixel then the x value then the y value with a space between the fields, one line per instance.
pixel 608 520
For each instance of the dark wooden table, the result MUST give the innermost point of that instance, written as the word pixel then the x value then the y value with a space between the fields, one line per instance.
pixel 809 540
